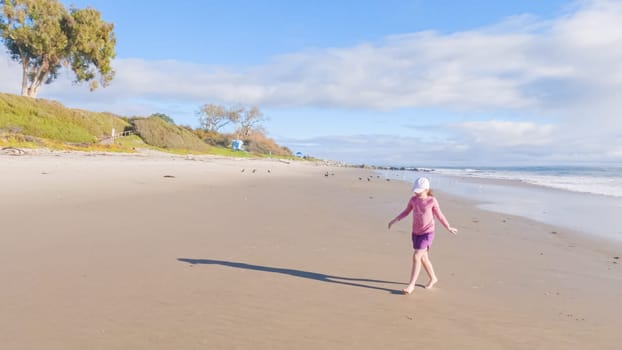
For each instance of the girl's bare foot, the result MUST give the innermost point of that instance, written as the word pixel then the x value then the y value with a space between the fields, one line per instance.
pixel 431 283
pixel 408 290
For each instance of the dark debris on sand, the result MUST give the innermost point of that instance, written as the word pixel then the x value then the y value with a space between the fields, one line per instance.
pixel 12 151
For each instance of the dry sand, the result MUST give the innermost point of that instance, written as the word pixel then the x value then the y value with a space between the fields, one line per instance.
pixel 104 252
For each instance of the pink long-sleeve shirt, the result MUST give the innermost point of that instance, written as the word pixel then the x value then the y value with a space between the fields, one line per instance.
pixel 424 210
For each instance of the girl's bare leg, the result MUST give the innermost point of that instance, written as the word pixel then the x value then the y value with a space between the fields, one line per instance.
pixel 414 272
pixel 427 265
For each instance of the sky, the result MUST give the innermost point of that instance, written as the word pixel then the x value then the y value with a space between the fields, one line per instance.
pixel 403 83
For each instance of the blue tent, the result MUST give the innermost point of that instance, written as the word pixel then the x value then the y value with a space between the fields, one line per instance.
pixel 237 145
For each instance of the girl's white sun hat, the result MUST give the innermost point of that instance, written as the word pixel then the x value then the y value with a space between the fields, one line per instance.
pixel 421 184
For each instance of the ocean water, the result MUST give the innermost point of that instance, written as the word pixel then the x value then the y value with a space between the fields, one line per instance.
pixel 584 199
pixel 595 180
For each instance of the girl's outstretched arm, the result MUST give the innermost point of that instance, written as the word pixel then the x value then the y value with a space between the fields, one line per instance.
pixel 436 209
pixel 401 215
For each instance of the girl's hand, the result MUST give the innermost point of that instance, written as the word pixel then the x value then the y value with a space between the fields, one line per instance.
pixel 391 223
pixel 453 230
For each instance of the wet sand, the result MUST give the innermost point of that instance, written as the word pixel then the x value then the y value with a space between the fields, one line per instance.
pixel 105 252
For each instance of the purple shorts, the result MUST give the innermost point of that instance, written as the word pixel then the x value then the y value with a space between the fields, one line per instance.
pixel 422 241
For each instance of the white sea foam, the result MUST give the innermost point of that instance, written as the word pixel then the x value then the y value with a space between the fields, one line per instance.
pixel 585 181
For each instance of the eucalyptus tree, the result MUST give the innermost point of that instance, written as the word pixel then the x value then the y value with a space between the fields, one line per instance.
pixel 43 36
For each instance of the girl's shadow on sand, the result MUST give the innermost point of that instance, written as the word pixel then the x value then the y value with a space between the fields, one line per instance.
pixel 354 282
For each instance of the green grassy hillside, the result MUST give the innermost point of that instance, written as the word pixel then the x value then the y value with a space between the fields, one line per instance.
pixel 51 120
pixel 27 122
pixel 157 132
pixel 33 123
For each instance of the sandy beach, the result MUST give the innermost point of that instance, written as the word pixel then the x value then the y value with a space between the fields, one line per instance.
pixel 101 251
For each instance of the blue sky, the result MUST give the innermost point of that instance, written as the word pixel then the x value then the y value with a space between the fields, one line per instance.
pixel 252 32
pixel 421 83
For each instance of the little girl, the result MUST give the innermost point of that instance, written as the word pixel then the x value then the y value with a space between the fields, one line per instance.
pixel 424 207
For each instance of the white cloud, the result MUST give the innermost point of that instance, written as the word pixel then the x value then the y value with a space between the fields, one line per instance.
pixel 379 149
pixel 417 151
pixel 507 133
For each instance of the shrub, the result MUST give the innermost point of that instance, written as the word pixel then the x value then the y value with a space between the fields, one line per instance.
pixel 259 143
pixel 214 138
